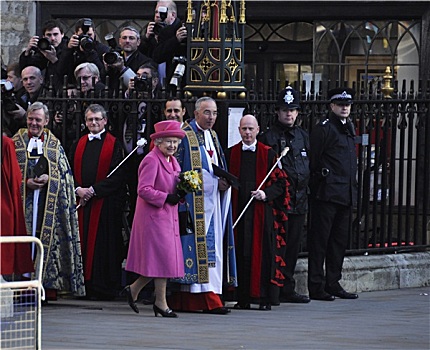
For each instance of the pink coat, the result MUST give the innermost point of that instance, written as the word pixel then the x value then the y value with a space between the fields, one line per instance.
pixel 155 247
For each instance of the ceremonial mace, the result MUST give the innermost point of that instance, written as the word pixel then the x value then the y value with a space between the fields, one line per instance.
pixel 140 143
pixel 283 153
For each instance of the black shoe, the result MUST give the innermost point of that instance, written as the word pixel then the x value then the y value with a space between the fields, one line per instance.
pixel 167 313
pixel 242 306
pixel 265 306
pixel 127 292
pixel 343 294
pixel 275 302
pixel 322 296
pixel 296 298
pixel 218 311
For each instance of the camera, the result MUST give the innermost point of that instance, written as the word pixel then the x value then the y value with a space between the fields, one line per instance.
pixel 162 11
pixel 112 56
pixel 179 70
pixel 143 83
pixel 44 44
pixel 111 41
pixel 7 96
pixel 85 41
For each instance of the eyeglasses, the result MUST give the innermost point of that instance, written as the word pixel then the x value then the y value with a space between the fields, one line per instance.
pixel 86 77
pixel 96 120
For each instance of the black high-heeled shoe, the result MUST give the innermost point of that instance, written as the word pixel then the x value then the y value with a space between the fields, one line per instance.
pixel 167 313
pixel 127 292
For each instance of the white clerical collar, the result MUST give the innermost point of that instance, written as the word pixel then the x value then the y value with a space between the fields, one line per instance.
pixel 96 136
pixel 200 128
pixel 252 147
pixel 35 142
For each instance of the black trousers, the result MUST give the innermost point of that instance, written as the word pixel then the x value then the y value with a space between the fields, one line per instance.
pixel 294 240
pixel 327 241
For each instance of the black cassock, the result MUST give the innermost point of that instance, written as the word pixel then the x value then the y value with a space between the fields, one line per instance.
pixel 109 250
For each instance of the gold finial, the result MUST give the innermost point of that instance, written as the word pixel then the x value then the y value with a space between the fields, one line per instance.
pixel 242 12
pixel 208 10
pixel 233 15
pixel 223 16
pixel 387 90
pixel 190 11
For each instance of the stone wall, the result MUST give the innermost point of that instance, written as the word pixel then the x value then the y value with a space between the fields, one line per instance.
pixel 18 24
pixel 376 272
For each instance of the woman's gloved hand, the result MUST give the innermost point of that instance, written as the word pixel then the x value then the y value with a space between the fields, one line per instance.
pixel 173 199
pixel 181 193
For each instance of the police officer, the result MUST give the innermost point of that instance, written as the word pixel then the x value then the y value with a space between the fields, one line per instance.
pixel 284 133
pixel 333 193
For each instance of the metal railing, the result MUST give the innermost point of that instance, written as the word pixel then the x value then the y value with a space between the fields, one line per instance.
pixel 393 157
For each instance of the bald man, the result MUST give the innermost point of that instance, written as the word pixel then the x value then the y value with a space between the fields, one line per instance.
pixel 32 81
pixel 260 233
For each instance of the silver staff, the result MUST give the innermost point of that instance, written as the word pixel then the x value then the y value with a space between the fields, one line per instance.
pixel 283 153
pixel 140 143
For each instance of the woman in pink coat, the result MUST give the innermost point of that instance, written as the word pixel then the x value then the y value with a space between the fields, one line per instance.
pixel 155 250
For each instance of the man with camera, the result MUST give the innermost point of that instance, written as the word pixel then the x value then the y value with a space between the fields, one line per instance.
pixel 150 39
pixel 162 17
pixel 171 40
pixel 45 52
pixel 144 86
pixel 82 47
pixel 12 114
pixel 121 67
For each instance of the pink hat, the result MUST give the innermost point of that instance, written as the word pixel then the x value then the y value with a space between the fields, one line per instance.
pixel 168 128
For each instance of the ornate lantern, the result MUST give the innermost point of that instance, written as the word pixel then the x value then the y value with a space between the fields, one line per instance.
pixel 215 48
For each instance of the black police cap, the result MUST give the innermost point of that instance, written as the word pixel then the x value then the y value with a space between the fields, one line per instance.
pixel 341 95
pixel 288 98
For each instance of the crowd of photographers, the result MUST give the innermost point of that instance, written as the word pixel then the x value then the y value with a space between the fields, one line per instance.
pixel 132 65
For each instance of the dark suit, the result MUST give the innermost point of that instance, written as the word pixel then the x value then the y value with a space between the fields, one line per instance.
pixel 333 193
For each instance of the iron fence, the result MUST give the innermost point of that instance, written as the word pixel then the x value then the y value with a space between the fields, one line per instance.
pixel 393 154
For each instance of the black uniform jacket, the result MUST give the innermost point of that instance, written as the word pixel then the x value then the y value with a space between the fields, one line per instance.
pixel 295 163
pixel 334 161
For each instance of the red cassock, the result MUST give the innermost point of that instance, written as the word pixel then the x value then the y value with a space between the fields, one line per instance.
pixel 15 258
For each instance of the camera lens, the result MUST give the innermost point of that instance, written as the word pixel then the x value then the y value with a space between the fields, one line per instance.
pixel 43 44
pixel 140 85
pixel 87 43
pixel 111 57
pixel 158 27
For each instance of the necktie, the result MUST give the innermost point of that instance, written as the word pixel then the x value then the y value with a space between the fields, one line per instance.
pixel 92 137
pixel 248 148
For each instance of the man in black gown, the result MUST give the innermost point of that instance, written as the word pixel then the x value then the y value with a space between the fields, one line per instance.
pixel 260 233
pixel 93 157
